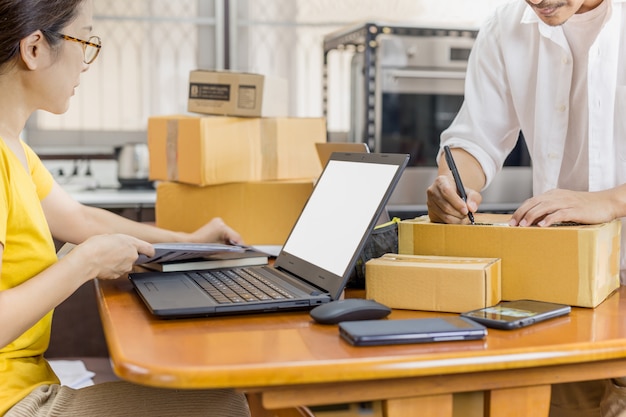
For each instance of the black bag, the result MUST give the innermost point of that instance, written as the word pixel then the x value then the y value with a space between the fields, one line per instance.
pixel 382 240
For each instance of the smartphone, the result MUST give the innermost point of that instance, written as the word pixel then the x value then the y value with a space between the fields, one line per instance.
pixel 515 314
pixel 393 332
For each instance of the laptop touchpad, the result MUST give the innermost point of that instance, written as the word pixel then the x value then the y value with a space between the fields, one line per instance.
pixel 168 292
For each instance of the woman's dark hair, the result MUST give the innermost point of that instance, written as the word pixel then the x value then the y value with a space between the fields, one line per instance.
pixel 20 18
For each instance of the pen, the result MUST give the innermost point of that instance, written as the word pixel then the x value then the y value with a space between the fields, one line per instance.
pixel 457 179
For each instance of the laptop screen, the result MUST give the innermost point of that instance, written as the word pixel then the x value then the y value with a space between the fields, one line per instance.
pixel 344 206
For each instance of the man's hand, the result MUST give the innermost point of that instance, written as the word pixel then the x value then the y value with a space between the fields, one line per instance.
pixel 446 206
pixel 444 203
pixel 558 206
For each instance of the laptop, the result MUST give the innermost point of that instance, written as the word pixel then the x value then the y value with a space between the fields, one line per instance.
pixel 326 149
pixel 315 261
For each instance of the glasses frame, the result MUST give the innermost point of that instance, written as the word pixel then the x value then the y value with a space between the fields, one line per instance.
pixel 85 43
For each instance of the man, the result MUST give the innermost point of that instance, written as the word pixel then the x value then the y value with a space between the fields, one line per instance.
pixel 556 70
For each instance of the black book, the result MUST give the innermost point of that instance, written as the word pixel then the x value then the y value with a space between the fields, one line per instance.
pixel 188 257
pixel 250 257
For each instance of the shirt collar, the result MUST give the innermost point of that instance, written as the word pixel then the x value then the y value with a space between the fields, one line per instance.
pixel 530 17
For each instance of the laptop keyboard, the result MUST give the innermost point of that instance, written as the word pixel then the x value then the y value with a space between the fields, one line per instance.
pixel 238 286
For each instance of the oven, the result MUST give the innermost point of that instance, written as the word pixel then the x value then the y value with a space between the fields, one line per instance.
pixel 418 91
pixel 406 87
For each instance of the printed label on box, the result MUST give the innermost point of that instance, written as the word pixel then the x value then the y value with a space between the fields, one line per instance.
pixel 247 97
pixel 219 92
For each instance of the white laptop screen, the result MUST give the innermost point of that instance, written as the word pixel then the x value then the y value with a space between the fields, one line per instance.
pixel 339 212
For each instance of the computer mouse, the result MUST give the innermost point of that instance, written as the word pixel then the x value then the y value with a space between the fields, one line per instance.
pixel 350 309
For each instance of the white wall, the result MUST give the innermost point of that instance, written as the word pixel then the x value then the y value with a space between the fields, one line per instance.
pixel 139 74
pixel 470 12
pixel 459 11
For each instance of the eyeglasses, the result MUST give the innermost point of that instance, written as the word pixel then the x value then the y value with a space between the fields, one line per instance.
pixel 91 47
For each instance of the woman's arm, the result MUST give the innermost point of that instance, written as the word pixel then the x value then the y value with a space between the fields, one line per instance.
pixel 70 221
pixel 108 245
pixel 104 256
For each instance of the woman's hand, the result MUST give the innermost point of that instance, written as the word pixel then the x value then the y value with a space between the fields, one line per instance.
pixel 109 256
pixel 216 231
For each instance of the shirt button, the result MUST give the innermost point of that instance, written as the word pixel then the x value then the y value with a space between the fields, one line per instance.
pixel 562 108
pixel 564 60
pixel 553 155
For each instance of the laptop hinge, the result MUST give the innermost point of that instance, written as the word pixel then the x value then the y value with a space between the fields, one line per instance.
pixel 309 288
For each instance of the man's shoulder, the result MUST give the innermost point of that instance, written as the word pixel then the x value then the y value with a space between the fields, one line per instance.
pixel 510 17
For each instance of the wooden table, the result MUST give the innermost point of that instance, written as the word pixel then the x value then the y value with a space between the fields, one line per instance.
pixel 291 361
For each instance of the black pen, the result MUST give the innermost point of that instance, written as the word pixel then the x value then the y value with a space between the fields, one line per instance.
pixel 457 179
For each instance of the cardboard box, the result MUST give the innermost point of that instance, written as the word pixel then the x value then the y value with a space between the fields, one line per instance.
pixel 216 150
pixel 433 283
pixel 576 265
pixel 262 212
pixel 231 93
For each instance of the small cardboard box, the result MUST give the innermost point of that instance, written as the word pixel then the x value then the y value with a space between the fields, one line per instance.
pixel 262 212
pixel 433 283
pixel 216 150
pixel 231 93
pixel 576 265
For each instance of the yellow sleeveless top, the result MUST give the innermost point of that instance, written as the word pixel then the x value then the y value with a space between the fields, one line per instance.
pixel 28 249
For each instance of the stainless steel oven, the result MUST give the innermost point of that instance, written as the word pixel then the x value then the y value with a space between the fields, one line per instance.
pixel 407 85
pixel 418 90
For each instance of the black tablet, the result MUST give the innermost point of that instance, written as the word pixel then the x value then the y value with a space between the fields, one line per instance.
pixel 390 332
pixel 516 314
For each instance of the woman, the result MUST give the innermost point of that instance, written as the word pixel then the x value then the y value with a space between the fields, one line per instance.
pixel 45 45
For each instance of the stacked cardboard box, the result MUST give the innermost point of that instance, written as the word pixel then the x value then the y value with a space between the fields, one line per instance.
pixel 433 283
pixel 209 150
pixel 234 161
pixel 263 211
pixel 229 93
pixel 569 264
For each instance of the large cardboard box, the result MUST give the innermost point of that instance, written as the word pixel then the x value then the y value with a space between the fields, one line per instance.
pixel 231 93
pixel 262 212
pixel 576 264
pixel 433 283
pixel 216 150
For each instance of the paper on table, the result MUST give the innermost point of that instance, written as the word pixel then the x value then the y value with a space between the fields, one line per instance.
pixel 271 250
pixel 73 374
pixel 65 249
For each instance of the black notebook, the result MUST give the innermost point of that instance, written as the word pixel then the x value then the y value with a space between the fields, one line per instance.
pixel 247 256
pixel 315 261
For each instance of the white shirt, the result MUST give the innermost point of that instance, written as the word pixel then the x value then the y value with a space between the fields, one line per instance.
pixel 581 31
pixel 520 75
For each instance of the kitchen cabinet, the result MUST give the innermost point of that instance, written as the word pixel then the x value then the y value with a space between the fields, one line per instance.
pixel 136 205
